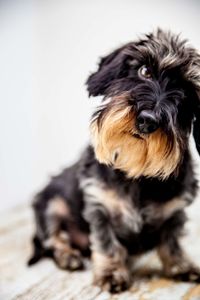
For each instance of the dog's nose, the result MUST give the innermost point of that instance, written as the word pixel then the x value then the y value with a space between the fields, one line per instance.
pixel 146 122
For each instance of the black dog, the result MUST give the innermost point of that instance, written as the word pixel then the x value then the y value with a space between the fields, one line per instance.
pixel 127 193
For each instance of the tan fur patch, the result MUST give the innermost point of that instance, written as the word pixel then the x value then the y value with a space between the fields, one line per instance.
pixel 163 211
pixel 120 209
pixel 115 144
pixel 57 206
pixel 77 237
pixel 175 262
pixel 106 267
pixel 103 261
pixel 64 255
pixel 172 206
pixel 58 242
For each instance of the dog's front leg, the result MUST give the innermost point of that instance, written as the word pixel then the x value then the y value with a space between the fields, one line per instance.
pixel 108 255
pixel 176 263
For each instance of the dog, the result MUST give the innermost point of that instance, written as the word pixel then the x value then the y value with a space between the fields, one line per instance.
pixel 127 193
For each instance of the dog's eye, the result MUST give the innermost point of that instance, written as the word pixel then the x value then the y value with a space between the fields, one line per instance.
pixel 145 72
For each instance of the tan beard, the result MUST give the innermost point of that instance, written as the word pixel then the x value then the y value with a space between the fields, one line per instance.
pixel 153 155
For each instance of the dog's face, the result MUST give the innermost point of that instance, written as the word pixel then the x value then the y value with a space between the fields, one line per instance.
pixel 151 96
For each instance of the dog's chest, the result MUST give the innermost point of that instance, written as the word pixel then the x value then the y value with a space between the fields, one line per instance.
pixel 125 214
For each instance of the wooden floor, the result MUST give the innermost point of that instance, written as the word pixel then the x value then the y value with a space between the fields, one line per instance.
pixel 45 282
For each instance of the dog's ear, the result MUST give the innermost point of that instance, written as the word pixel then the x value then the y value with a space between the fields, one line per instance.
pixel 111 67
pixel 193 76
pixel 196 128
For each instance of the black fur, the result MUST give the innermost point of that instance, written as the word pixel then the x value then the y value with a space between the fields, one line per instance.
pixel 172 95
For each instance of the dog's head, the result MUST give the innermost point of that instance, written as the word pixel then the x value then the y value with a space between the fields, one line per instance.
pixel 151 91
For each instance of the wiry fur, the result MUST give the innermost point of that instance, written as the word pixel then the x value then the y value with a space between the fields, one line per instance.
pixel 127 193
pixel 116 143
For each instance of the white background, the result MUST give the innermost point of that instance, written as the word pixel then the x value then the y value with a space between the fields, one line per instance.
pixel 47 50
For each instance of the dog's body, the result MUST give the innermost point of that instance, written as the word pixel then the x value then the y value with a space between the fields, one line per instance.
pixel 127 193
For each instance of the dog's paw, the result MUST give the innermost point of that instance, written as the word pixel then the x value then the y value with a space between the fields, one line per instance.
pixel 115 282
pixel 69 260
pixel 191 275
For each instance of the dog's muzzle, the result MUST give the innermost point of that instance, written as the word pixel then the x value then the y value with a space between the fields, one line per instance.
pixel 147 122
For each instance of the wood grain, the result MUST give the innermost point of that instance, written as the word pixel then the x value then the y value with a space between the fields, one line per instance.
pixel 45 281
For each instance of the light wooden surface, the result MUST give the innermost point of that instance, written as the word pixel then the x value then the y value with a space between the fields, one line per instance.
pixel 44 281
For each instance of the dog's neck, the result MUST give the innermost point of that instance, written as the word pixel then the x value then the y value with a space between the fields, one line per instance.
pixel 119 175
